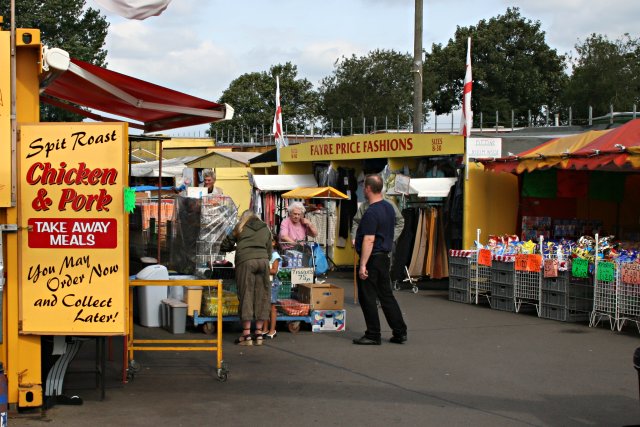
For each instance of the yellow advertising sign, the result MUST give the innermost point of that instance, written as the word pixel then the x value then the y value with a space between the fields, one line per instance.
pixel 5 120
pixel 73 244
pixel 377 145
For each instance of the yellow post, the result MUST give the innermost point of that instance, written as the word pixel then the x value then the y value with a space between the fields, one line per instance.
pixel 20 353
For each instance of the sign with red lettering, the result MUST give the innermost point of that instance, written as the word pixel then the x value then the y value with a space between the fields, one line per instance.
pixel 529 262
pixel 484 257
pixel 630 273
pixel 74 273
pixel 550 268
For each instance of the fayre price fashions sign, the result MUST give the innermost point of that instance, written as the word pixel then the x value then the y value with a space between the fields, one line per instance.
pixel 73 254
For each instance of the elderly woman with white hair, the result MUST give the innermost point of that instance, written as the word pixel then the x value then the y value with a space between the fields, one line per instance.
pixel 209 181
pixel 296 227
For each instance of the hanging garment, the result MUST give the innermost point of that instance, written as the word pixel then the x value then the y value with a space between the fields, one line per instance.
pixel 348 185
pixel 404 246
pixel 416 267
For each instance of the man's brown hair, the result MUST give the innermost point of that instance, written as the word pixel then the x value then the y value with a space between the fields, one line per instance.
pixel 374 182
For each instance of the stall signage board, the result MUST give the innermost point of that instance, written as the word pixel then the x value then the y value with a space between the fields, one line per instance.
pixel 5 121
pixel 73 278
pixel 484 257
pixel 630 273
pixel 300 276
pixel 528 262
pixel 550 268
pixel 481 148
pixel 606 271
pixel 521 262
pixel 580 268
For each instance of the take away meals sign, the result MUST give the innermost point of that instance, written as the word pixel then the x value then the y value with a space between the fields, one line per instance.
pixel 73 243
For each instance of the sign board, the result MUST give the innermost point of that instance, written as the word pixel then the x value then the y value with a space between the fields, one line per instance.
pixel 528 262
pixel 630 273
pixel 580 268
pixel 73 247
pixel 606 271
pixel 5 120
pixel 402 184
pixel 301 276
pixel 550 268
pixel 480 148
pixel 484 257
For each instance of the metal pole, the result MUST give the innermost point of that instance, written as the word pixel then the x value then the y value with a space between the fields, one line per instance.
pixel 570 116
pixel 451 121
pixel 436 122
pixel 351 120
pixel 331 127
pixel 590 115
pixel 364 125
pixel 417 71
pixel 159 198
pixel 529 118
pixel 341 126
pixel 386 124
pixel 611 114
pixel 634 111
pixel 375 123
pixel 497 120
pixel 546 116
pixel 263 134
pixel 480 121
pixel 398 123
pixel 512 120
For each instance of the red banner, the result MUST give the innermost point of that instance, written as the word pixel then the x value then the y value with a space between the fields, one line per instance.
pixel 76 233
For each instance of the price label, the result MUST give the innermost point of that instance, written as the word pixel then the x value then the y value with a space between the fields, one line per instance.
pixel 534 263
pixel 630 273
pixel 521 262
pixel 580 268
pixel 606 271
pixel 484 257
pixel 301 276
pixel 550 268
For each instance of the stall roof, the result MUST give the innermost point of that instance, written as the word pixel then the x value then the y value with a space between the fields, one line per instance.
pixel 315 193
pixel 429 187
pixel 72 83
pixel 282 182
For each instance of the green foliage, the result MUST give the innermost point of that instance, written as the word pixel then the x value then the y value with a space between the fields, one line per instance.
pixel 377 85
pixel 513 69
pixel 66 24
pixel 252 96
pixel 605 73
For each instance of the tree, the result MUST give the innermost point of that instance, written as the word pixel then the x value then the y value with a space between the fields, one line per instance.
pixel 252 96
pixel 513 69
pixel 66 24
pixel 604 73
pixel 377 85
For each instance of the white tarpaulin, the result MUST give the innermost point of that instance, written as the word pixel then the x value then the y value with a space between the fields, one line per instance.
pixel 282 182
pixel 429 187
pixel 170 167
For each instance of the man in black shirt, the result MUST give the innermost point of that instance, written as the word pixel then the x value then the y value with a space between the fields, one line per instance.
pixel 374 241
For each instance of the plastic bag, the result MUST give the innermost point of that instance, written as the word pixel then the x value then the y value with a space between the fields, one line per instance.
pixel 320 260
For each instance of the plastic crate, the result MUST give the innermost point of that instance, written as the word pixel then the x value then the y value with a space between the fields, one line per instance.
pixel 502 303
pixel 283 290
pixel 501 290
pixel 458 295
pixel 459 283
pixel 562 314
pixel 458 260
pixel 459 270
pixel 579 290
pixel 557 284
pixel 503 266
pixel 554 298
pixel 584 305
pixel 502 276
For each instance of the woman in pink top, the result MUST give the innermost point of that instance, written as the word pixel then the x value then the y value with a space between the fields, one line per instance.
pixel 296 227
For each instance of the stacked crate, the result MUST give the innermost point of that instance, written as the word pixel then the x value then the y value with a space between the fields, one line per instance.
pixel 566 298
pixel 502 279
pixel 459 279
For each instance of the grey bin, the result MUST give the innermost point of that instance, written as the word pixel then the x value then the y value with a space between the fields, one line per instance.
pixel 176 312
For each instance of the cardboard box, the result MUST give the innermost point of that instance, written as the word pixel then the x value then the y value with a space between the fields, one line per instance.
pixel 328 320
pixel 193 298
pixel 321 296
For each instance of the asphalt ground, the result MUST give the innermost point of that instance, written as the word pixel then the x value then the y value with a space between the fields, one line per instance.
pixel 462 365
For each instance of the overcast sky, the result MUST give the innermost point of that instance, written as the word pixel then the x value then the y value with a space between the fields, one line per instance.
pixel 200 46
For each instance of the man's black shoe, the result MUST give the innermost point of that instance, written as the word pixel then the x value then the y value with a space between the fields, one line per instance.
pixel 365 341
pixel 400 339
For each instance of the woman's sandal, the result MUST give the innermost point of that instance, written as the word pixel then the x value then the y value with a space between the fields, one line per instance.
pixel 258 339
pixel 244 340
pixel 270 336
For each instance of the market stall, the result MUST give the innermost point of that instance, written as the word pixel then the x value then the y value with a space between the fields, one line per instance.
pixel 569 189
